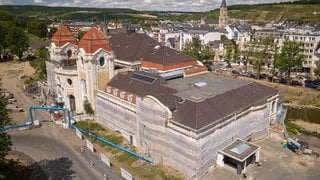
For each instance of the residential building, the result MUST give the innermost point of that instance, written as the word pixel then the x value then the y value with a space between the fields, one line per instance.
pixel 220 49
pixel 202 34
pixel 240 32
pixel 310 45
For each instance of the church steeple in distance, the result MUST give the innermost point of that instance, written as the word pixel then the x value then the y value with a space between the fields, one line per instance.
pixel 223 17
pixel 223 4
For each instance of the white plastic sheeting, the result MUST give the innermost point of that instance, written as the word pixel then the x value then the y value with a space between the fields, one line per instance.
pixel 52 84
pixel 149 124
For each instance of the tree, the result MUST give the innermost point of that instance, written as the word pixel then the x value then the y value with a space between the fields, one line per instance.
pixel 196 50
pixel 290 57
pixel 3 33
pixel 316 72
pixel 5 140
pixel 260 51
pixel 52 31
pixel 206 54
pixel 228 55
pixel 40 62
pixel 17 41
pixel 87 107
pixel 232 51
pixel 38 28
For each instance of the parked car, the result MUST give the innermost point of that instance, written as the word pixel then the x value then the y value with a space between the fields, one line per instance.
pixel 297 82
pixel 310 84
pixel 8 95
pixel 292 146
pixel 281 80
pixel 12 100
pixel 235 72
pixel 14 107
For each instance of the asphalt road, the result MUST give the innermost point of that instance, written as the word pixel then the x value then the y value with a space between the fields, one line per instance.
pixel 57 158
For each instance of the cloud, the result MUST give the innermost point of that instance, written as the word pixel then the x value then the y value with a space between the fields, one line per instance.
pixel 38 1
pixel 152 5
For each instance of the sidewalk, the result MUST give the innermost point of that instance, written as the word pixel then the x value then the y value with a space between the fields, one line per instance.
pixel 77 143
pixel 98 164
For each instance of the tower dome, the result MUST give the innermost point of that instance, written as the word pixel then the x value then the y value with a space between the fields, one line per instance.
pixel 94 40
pixel 63 36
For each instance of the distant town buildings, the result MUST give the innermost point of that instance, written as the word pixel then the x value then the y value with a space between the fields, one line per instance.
pixel 310 43
pixel 175 35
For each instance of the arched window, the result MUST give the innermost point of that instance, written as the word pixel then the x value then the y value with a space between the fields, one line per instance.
pixel 83 87
pixel 69 53
pixel 69 81
pixel 82 61
pixel 72 102
pixel 102 61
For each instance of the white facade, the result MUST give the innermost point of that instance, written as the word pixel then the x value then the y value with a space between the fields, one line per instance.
pixel 202 35
pixel 148 125
pixel 309 44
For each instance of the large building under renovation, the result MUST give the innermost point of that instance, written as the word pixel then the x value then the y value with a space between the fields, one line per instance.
pixel 170 106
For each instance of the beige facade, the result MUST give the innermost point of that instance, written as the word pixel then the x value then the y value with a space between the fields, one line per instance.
pixel 75 73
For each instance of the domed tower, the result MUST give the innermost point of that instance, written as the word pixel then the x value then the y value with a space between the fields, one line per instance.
pixel 223 17
pixel 61 67
pixel 95 64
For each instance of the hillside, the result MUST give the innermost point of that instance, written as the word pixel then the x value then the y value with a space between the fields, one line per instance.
pixel 277 12
pixel 302 11
pixel 67 13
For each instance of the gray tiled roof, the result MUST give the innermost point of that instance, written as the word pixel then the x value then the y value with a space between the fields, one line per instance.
pixel 131 46
pixel 198 105
pixel 165 56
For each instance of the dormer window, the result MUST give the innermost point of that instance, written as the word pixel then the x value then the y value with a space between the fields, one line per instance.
pixel 102 61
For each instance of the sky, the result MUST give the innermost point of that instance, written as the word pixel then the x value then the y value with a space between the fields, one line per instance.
pixel 151 5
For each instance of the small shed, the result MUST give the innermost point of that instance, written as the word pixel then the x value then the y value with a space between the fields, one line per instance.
pixel 239 154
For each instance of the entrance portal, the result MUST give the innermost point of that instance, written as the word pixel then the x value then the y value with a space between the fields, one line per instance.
pixel 72 101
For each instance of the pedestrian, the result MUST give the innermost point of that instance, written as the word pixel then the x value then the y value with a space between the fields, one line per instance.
pixel 82 149
pixel 105 177
pixel 91 163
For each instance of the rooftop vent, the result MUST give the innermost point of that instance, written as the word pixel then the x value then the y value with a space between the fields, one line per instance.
pixel 200 84
pixel 143 78
pixel 157 47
